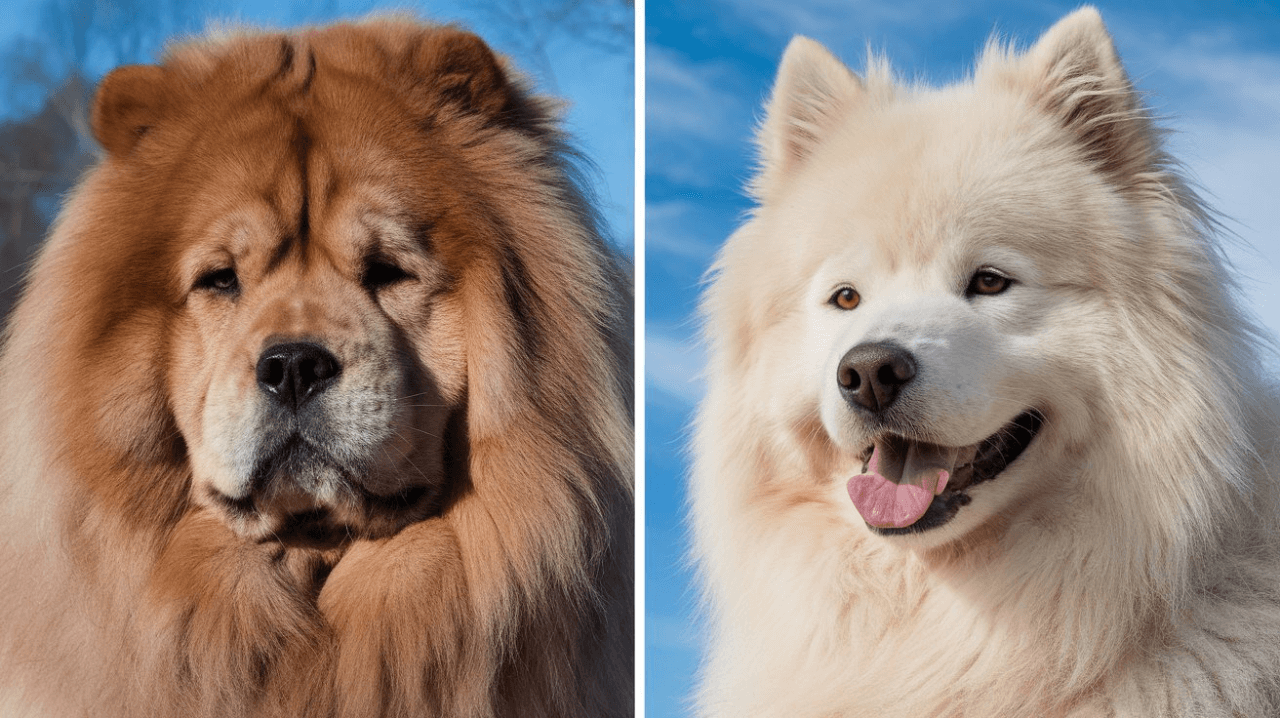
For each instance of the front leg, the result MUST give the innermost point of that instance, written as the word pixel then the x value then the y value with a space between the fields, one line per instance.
pixel 407 639
pixel 227 616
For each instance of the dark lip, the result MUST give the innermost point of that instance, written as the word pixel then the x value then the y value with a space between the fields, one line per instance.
pixel 318 527
pixel 994 456
pixel 270 468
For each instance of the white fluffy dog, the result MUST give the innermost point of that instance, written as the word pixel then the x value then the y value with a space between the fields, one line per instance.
pixel 986 432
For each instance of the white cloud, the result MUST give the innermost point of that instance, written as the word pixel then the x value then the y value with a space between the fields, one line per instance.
pixel 673 364
pixel 673 227
pixel 696 114
pixel 1212 76
pixel 691 99
pixel 1236 168
pixel 834 20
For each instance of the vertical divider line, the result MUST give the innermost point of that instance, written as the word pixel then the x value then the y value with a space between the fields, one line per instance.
pixel 639 308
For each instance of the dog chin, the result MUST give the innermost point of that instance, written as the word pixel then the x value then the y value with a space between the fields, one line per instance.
pixel 322 506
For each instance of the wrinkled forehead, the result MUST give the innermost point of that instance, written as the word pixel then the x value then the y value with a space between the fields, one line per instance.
pixel 259 235
pixel 290 153
pixel 278 181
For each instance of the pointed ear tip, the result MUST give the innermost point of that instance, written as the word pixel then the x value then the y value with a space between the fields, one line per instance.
pixel 1081 31
pixel 799 42
pixel 1087 12
pixel 1085 18
pixel 802 48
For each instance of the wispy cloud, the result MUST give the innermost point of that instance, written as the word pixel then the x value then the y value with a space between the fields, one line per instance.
pixel 691 99
pixel 1235 166
pixel 823 18
pixel 697 114
pixel 673 365
pixel 1250 82
pixel 1207 73
pixel 677 228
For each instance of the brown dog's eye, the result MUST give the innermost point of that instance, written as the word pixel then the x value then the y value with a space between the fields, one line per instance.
pixel 380 273
pixel 846 298
pixel 987 282
pixel 223 281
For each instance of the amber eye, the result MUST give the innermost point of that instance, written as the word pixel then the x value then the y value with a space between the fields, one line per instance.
pixel 223 281
pixel 846 298
pixel 987 282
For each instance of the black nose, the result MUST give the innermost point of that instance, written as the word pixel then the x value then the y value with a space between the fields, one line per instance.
pixel 872 374
pixel 292 373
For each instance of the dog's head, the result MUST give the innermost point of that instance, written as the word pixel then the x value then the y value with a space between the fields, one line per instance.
pixel 300 251
pixel 949 270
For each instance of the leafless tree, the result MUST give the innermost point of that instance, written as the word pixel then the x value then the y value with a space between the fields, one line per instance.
pixel 51 72
pixel 530 27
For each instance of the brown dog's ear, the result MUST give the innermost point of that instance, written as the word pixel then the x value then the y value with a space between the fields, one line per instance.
pixel 128 104
pixel 460 70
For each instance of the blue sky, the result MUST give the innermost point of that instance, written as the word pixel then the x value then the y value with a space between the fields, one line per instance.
pixel 599 84
pixel 1211 69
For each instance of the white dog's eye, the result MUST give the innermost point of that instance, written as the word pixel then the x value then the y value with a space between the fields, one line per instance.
pixel 846 298
pixel 987 282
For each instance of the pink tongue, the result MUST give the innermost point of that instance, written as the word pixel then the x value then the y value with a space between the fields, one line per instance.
pixel 900 484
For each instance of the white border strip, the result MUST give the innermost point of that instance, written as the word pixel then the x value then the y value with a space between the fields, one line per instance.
pixel 639 267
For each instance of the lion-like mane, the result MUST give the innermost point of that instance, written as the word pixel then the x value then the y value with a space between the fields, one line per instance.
pixel 118 596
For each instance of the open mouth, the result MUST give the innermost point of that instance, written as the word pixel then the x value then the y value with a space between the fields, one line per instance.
pixel 909 486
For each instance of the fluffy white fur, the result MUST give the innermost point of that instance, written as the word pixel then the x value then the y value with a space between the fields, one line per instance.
pixel 1126 562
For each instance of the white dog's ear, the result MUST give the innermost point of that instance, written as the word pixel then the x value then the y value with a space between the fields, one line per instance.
pixel 1076 76
pixel 811 89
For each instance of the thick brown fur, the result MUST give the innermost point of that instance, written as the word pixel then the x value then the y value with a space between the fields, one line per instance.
pixel 485 565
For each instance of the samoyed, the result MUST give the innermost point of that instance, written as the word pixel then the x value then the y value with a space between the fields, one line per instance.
pixel 986 431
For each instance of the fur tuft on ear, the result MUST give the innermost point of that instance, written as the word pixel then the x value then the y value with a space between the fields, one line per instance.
pixel 811 88
pixel 127 105
pixel 1077 77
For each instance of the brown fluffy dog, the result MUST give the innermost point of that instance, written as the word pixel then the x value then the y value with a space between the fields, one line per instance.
pixel 318 399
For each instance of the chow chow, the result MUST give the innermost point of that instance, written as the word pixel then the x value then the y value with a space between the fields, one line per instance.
pixel 318 399
pixel 986 431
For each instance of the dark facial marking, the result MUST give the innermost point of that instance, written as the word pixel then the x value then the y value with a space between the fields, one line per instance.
pixel 521 300
pixel 286 60
pixel 302 146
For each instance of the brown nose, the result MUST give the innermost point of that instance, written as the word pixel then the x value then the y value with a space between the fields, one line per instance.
pixel 293 373
pixel 872 374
